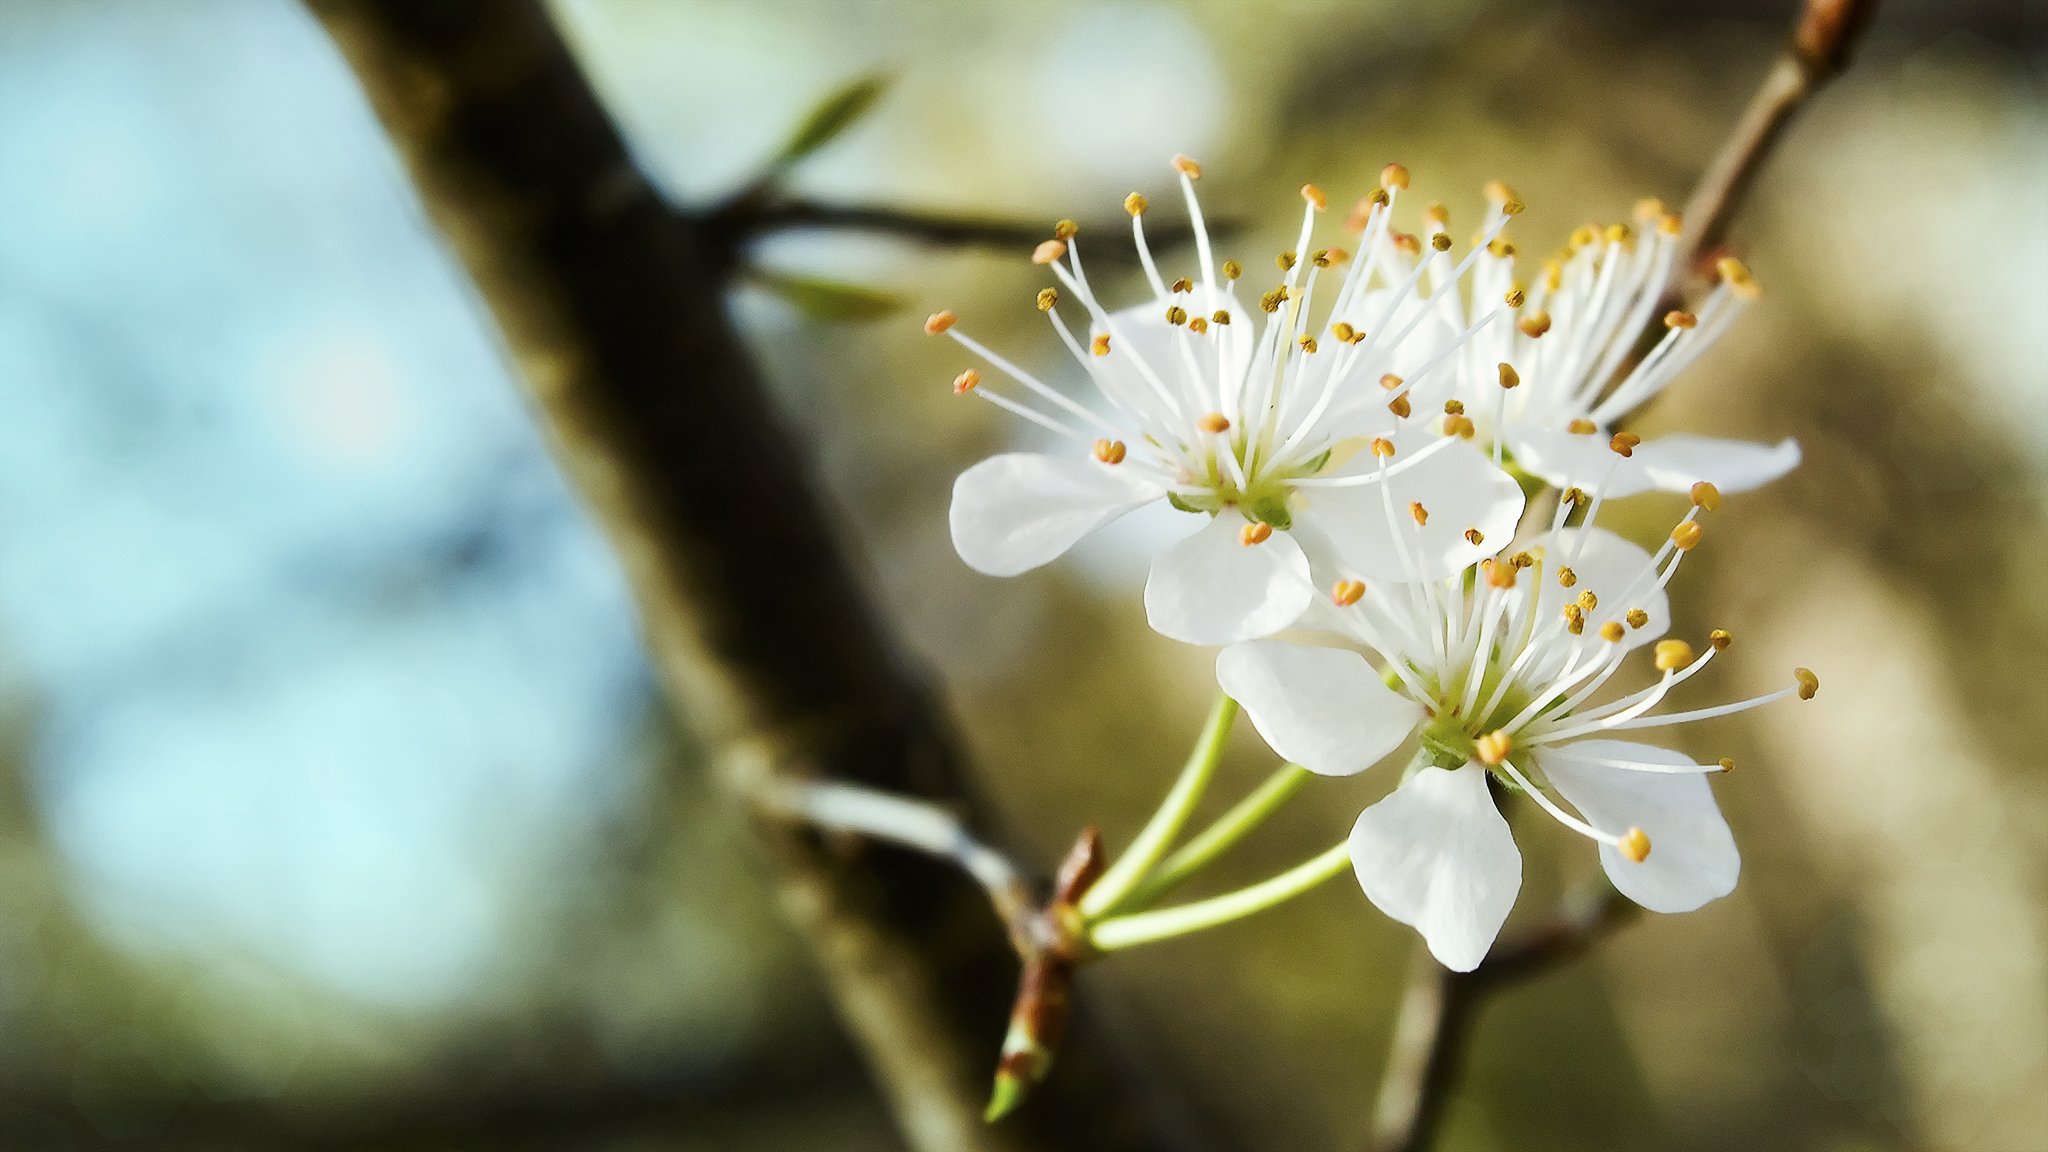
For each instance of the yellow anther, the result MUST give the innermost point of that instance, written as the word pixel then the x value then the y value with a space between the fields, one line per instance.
pixel 1065 230
pixel 1461 427
pixel 1500 248
pixel 1515 297
pixel 1440 241
pixel 1048 251
pixel 1648 209
pixel 1679 318
pixel 1581 427
pixel 1671 224
pixel 1320 257
pixel 1182 285
pixel 1498 575
pixel 1176 315
pixel 1187 167
pixel 1100 344
pixel 1720 639
pixel 1232 269
pixel 1522 560
pixel 1257 532
pixel 1553 274
pixel 1109 451
pixel 1048 298
pixel 1474 537
pixel 1619 233
pixel 1493 747
pixel 1454 407
pixel 1393 176
pixel 1380 197
pixel 1214 423
pixel 938 322
pixel 1509 378
pixel 1624 443
pixel 1535 324
pixel 1736 275
pixel 1136 204
pixel 1400 407
pixel 1706 497
pixel 1612 631
pixel 1727 764
pixel 1333 256
pixel 1588 600
pixel 1389 381
pixel 1498 191
pixel 1343 332
pixel 1673 655
pixel 966 382
pixel 1407 244
pixel 1575 496
pixel 1636 617
pixel 1308 344
pixel 1438 215
pixel 1635 844
pixel 1197 325
pixel 1585 236
pixel 1382 447
pixel 1687 535
pixel 1272 301
pixel 1314 195
pixel 1574 619
pixel 1347 592
pixel 1566 578
pixel 1284 261
pixel 1808 682
pixel 1220 316
pixel 1420 513
pixel 1513 208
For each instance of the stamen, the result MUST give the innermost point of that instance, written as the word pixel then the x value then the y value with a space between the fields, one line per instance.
pixel 938 322
pixel 1679 319
pixel 1582 427
pixel 1257 532
pixel 1535 324
pixel 1509 378
pixel 1673 655
pixel 1420 513
pixel 1493 747
pixel 1110 451
pixel 1048 251
pixel 1687 535
pixel 1187 167
pixel 1720 639
pixel 1635 844
pixel 1065 230
pixel 1624 443
pixel 1556 813
pixel 1214 423
pixel 1100 344
pixel 966 382
pixel 1706 497
pixel 1394 176
pixel 1048 299
pixel 1347 592
pixel 1136 204
pixel 1612 632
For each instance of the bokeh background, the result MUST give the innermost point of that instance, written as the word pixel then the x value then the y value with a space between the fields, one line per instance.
pixel 337 805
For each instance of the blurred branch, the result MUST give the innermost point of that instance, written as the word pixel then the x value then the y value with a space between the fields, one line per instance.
pixel 751 216
pixel 1440 1007
pixel 613 308
pixel 1819 50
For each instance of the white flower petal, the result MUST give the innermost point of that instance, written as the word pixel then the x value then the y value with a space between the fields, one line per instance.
pixel 1436 854
pixel 1615 571
pixel 1014 512
pixel 1212 588
pixel 1692 854
pixel 1568 459
pixel 1458 487
pixel 1323 708
pixel 1676 463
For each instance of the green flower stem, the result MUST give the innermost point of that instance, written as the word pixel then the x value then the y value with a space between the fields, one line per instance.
pixel 1221 836
pixel 1145 927
pixel 1165 824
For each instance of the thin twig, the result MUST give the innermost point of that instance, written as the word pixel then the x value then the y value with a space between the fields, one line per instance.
pixel 1819 50
pixel 746 219
pixel 1440 1006
pixel 918 825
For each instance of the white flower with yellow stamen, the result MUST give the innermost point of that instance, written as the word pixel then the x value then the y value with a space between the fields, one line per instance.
pixel 1495 673
pixel 1549 388
pixel 1275 428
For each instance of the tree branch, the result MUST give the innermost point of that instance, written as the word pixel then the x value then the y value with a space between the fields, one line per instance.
pixel 1822 42
pixel 612 307
pixel 1440 1007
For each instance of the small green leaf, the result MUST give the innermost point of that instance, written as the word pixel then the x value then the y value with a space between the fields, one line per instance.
pixel 829 117
pixel 832 300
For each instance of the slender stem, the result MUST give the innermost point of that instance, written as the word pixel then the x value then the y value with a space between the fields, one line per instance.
pixel 1221 836
pixel 1166 823
pixel 1146 927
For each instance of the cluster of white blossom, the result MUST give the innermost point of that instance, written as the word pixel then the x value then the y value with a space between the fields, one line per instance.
pixel 1357 447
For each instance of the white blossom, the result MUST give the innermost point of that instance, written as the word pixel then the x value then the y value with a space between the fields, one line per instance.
pixel 1549 388
pixel 1277 424
pixel 1495 673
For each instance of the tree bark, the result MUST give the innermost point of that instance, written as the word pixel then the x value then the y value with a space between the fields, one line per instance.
pixel 612 307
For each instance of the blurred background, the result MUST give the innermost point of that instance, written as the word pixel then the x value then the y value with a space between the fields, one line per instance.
pixel 337 805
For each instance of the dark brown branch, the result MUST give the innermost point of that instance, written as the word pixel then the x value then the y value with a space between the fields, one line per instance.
pixel 1819 50
pixel 612 307
pixel 1440 1007
pixel 749 218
